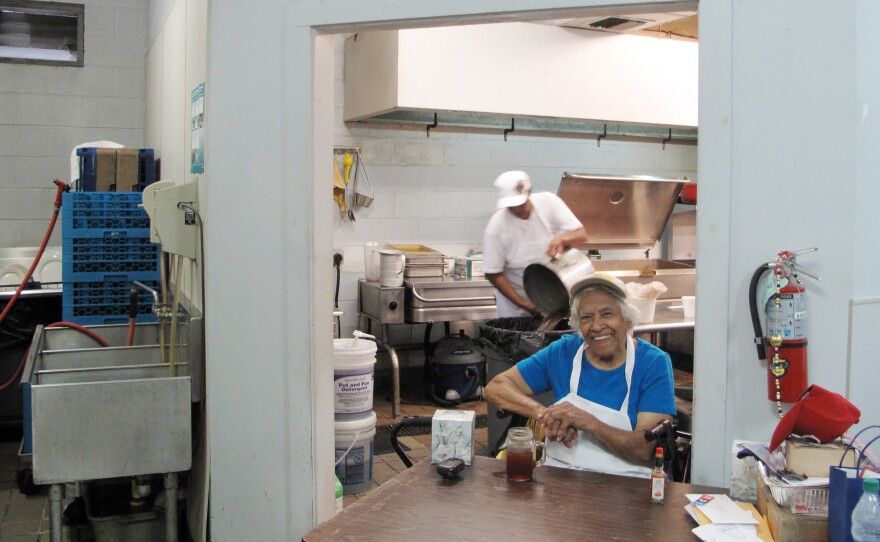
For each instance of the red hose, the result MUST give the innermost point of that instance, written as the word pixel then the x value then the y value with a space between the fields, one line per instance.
pixel 61 189
pixel 130 339
pixel 17 370
pixel 100 340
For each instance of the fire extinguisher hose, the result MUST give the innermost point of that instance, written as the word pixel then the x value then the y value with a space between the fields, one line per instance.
pixel 753 309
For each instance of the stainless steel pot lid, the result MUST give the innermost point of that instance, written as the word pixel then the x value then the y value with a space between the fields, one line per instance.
pixel 620 211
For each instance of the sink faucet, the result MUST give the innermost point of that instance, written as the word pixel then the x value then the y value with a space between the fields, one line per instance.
pixel 159 309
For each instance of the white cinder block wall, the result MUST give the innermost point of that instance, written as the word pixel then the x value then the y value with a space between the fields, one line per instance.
pixel 437 191
pixel 45 111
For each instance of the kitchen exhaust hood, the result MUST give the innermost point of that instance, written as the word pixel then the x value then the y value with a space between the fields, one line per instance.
pixel 521 76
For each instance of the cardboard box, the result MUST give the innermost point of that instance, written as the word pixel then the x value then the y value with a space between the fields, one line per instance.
pixel 469 267
pixel 116 170
pixel 786 526
pixel 452 435
pixel 811 459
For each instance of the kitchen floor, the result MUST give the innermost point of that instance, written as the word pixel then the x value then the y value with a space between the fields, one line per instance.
pixel 25 518
pixel 413 402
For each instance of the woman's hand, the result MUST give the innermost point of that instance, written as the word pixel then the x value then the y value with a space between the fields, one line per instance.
pixel 562 421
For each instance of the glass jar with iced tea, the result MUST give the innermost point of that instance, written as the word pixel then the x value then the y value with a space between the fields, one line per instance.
pixel 521 451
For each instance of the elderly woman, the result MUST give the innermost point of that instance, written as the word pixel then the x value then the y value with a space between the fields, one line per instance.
pixel 608 386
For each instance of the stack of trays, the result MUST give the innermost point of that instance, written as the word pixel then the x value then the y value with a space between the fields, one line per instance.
pixel 421 261
pixel 106 245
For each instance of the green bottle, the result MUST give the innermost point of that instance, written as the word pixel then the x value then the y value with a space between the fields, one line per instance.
pixel 338 495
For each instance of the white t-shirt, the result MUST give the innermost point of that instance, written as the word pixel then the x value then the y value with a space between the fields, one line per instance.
pixel 510 243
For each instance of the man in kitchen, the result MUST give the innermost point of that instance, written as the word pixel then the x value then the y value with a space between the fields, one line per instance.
pixel 525 229
pixel 608 386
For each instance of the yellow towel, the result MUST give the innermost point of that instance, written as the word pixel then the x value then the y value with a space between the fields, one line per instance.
pixel 338 187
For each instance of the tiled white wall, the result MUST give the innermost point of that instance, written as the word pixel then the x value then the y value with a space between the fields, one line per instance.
pixel 437 191
pixel 45 111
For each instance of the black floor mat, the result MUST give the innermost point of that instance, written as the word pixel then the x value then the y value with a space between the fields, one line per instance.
pixel 382 440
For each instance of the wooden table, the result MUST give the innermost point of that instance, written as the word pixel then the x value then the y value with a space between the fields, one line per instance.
pixel 481 504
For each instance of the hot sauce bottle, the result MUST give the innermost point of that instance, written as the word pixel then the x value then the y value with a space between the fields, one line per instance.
pixel 658 478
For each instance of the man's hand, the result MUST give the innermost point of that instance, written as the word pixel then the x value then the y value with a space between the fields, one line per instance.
pixel 564 241
pixel 531 308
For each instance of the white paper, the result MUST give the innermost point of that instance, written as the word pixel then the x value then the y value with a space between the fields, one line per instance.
pixel 727 533
pixel 721 509
pixel 689 508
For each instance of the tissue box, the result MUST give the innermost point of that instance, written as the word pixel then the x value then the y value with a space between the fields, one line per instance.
pixel 452 435
pixel 469 267
pixel 812 459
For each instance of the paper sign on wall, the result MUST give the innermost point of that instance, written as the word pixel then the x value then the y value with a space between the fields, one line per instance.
pixel 197 130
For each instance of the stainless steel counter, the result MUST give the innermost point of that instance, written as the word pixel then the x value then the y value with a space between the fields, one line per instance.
pixel 668 315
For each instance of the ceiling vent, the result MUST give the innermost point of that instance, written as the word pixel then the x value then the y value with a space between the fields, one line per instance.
pixel 623 23
pixel 617 24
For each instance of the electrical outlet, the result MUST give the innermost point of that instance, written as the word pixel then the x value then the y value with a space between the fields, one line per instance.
pixel 338 256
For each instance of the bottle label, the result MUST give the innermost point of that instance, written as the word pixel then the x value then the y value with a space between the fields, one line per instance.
pixel 658 488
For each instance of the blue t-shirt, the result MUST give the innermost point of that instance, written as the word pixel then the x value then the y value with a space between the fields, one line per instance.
pixel 652 388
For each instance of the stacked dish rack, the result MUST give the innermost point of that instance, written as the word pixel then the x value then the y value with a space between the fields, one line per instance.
pixel 106 245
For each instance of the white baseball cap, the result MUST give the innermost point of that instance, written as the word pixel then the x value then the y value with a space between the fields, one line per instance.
pixel 600 279
pixel 513 188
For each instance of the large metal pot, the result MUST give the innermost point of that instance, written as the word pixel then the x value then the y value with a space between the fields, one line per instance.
pixel 548 284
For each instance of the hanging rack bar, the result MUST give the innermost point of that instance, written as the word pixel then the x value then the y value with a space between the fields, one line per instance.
pixel 428 127
pixel 511 129
pixel 602 136
pixel 344 150
pixel 458 121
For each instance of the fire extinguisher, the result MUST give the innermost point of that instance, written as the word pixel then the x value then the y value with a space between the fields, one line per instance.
pixel 784 345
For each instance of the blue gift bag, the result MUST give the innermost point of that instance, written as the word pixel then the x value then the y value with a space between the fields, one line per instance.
pixel 844 490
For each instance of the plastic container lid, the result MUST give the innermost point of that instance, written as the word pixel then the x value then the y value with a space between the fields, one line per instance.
pixel 353 351
pixel 871 484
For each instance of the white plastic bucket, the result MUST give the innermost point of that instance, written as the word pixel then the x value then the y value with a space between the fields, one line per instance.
pixel 354 453
pixel 371 261
pixel 646 308
pixel 354 361
pixel 689 303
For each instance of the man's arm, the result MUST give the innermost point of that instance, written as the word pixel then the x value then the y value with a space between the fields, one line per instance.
pixel 500 282
pixel 559 419
pixel 510 392
pixel 565 240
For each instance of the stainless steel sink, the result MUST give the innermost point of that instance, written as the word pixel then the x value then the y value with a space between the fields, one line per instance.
pixel 103 412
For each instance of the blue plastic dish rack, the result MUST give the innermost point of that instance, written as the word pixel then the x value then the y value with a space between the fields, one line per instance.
pixel 94 258
pixel 91 214
pixel 106 302
pixel 88 168
pixel 106 243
